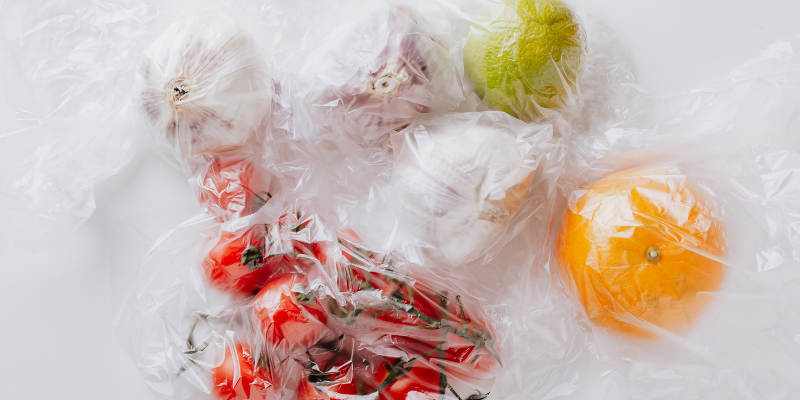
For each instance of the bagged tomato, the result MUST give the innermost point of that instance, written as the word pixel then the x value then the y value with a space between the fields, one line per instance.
pixel 239 377
pixel 240 262
pixel 204 94
pixel 232 185
pixel 330 318
pixel 609 249
pixel 398 337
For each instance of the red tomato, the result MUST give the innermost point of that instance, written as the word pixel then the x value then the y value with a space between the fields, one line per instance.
pixel 238 378
pixel 349 235
pixel 232 187
pixel 320 251
pixel 421 382
pixel 289 315
pixel 354 279
pixel 410 307
pixel 243 263
pixel 465 359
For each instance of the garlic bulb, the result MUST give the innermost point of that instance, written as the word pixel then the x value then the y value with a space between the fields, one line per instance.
pixel 457 179
pixel 377 73
pixel 203 86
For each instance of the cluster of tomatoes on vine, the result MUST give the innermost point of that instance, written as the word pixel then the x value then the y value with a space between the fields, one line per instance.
pixel 334 320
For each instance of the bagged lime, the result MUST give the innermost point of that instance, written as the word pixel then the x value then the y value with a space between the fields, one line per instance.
pixel 524 53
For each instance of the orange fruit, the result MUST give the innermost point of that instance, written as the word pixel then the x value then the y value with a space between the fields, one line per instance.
pixel 638 247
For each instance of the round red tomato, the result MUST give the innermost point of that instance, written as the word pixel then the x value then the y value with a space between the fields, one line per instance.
pixel 289 315
pixel 238 378
pixel 232 187
pixel 242 263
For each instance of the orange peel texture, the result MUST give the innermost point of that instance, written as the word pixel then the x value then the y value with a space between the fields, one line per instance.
pixel 637 248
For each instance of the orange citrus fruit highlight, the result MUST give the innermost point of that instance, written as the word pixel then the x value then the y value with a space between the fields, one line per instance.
pixel 638 248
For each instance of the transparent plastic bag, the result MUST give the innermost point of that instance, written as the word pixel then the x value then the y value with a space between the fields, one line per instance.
pixel 203 94
pixel 206 299
pixel 544 62
pixel 378 71
pixel 203 87
pixel 674 245
pixel 283 300
pixel 329 318
pixel 84 121
pixel 67 67
pixel 672 265
pixel 459 184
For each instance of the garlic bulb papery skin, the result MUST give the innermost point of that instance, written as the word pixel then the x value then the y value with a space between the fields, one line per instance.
pixel 203 87
pixel 375 74
pixel 457 181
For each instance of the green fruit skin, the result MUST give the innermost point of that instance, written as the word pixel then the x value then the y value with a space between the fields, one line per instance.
pixel 523 53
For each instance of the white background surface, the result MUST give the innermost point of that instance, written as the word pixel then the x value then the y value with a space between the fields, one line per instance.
pixel 57 306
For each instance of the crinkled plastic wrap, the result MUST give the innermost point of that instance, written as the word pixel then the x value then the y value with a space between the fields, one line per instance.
pixel 357 242
pixel 69 65
pixel 460 183
pixel 372 228
pixel 287 308
pixel 82 107
pixel 204 95
pixel 375 73
pixel 203 87
pixel 673 257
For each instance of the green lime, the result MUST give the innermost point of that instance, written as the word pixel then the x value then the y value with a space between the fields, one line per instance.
pixel 522 52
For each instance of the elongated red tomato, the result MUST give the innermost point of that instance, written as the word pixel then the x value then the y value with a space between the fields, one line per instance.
pixel 231 187
pixel 466 359
pixel 242 263
pixel 289 315
pixel 238 378
pixel 421 382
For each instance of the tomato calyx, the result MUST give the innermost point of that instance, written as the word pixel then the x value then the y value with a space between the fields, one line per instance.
pixel 396 370
pixel 259 195
pixel 253 257
pixel 304 294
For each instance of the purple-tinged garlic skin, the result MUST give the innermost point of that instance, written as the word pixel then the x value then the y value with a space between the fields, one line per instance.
pixel 203 87
pixel 377 73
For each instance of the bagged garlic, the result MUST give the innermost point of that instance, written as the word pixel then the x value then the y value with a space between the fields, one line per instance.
pixel 457 179
pixel 376 73
pixel 203 87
